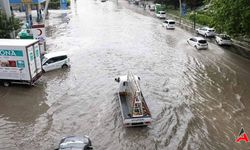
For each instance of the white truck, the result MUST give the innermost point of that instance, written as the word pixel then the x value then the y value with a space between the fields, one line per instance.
pixel 134 109
pixel 20 61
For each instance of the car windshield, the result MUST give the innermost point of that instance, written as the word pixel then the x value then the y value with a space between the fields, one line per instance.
pixel 225 37
pixel 162 13
pixel 202 41
pixel 171 22
pixel 211 30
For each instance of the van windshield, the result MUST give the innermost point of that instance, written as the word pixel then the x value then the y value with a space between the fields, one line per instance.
pixel 171 22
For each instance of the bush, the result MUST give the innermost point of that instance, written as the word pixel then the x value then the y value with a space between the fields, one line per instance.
pixel 202 18
pixel 8 25
pixel 55 4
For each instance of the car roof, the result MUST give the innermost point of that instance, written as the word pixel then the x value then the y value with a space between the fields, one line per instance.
pixel 199 38
pixel 55 54
pixel 223 35
pixel 169 20
pixel 208 28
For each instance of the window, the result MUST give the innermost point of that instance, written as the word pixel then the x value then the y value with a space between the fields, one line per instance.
pixel 51 60
pixel 202 41
pixel 171 22
pixel 193 39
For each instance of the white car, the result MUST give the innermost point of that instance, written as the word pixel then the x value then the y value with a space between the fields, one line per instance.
pixel 198 42
pixel 169 24
pixel 152 7
pixel 223 39
pixel 206 31
pixel 55 60
pixel 161 14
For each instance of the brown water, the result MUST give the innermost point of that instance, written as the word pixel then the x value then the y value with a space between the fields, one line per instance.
pixel 198 99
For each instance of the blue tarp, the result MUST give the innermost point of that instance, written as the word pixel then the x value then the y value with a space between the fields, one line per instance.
pixel 20 1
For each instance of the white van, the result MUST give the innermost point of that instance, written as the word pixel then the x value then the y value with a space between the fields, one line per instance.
pixel 55 60
pixel 169 24
pixel 161 14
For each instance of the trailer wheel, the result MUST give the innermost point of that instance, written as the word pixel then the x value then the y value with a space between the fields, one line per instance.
pixel 6 84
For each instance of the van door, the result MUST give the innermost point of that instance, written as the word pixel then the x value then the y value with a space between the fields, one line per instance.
pixel 38 58
pixel 60 61
pixel 49 64
pixel 31 58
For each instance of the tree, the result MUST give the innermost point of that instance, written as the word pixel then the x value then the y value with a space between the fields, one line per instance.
pixel 231 16
pixel 8 25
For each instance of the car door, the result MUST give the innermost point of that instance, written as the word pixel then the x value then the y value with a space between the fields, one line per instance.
pixel 59 61
pixel 166 24
pixel 204 30
pixel 191 41
pixel 49 64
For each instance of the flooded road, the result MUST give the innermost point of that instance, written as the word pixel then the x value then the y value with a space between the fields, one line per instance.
pixel 198 99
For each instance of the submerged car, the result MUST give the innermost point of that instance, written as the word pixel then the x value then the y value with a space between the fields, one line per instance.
pixel 169 24
pixel 223 39
pixel 152 7
pixel 75 143
pixel 206 31
pixel 198 42
pixel 161 14
pixel 55 60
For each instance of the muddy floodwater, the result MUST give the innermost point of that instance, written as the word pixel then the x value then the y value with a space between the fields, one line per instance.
pixel 198 99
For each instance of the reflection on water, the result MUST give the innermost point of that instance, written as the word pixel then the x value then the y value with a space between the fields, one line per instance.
pixel 21 109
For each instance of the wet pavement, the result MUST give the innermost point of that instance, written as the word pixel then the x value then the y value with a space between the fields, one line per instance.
pixel 198 99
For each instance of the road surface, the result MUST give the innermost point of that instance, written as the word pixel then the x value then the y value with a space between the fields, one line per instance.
pixel 198 99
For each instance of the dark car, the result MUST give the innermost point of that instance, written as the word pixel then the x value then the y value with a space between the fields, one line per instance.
pixel 76 143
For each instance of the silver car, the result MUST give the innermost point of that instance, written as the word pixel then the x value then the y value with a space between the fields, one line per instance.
pixel 198 42
pixel 223 39
pixel 206 31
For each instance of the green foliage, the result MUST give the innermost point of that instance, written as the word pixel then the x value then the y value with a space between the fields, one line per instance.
pixel 231 16
pixel 55 4
pixel 201 18
pixel 8 25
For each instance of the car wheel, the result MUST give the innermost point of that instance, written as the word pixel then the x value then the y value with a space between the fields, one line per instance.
pixel 64 66
pixel 196 47
pixel 6 84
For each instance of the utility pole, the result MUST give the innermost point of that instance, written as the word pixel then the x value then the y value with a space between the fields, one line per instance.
pixel 46 9
pixel 6 7
pixel 180 10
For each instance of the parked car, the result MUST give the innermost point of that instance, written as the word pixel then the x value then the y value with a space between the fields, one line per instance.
pixel 161 14
pixel 198 42
pixel 206 31
pixel 55 60
pixel 152 7
pixel 223 39
pixel 137 2
pixel 169 24
pixel 76 143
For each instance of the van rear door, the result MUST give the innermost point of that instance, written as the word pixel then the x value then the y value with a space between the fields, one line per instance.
pixel 31 58
pixel 38 58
